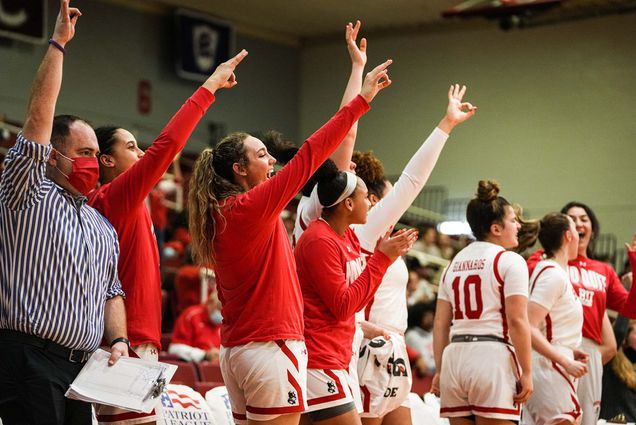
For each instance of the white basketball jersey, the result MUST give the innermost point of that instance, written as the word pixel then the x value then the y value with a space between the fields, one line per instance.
pixel 477 283
pixel 550 287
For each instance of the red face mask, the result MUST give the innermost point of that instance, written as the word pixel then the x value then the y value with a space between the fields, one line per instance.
pixel 84 174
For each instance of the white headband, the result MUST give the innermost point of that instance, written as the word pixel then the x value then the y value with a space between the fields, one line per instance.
pixel 352 182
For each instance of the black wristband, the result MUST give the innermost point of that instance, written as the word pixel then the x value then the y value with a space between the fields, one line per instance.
pixel 57 45
pixel 120 339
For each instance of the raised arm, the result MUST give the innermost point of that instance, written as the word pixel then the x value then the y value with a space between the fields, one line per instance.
pixel 25 163
pixel 416 173
pixel 342 294
pixel 45 90
pixel 274 194
pixel 131 187
pixel 358 55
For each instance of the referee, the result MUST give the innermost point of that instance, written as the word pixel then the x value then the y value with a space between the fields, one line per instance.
pixel 59 290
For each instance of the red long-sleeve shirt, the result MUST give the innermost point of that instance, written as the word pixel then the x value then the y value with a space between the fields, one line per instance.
pixel 194 328
pixel 255 270
pixel 335 285
pixel 598 288
pixel 122 202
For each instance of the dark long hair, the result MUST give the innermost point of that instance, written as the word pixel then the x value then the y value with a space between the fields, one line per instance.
pixel 596 226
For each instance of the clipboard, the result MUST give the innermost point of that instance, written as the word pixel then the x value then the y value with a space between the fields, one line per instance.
pixel 131 383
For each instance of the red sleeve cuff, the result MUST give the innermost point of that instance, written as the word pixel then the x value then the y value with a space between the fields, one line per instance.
pixel 632 259
pixel 203 97
pixel 359 105
pixel 381 259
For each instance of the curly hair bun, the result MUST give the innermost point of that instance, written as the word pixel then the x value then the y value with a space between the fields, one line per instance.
pixel 368 167
pixel 487 190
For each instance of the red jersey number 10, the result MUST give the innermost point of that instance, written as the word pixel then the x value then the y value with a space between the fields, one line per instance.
pixel 471 284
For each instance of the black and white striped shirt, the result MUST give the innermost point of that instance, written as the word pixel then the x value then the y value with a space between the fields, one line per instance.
pixel 58 256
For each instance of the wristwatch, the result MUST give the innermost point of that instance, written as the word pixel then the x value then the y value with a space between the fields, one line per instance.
pixel 120 339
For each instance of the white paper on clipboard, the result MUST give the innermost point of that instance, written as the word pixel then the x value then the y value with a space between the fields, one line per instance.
pixel 129 384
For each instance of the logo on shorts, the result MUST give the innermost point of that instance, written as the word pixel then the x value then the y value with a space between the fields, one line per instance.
pixel 291 397
pixel 331 387
pixel 396 367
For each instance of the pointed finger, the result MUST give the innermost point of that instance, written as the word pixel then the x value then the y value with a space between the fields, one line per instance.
pixel 382 66
pixel 238 58
pixel 450 93
pixel 64 8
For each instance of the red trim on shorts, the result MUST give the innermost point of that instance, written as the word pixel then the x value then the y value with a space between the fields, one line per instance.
pixel 275 410
pixel 560 372
pixel 282 410
pixel 577 409
pixel 124 416
pixel 484 409
pixel 239 416
pixel 366 396
pixel 516 361
pixel 548 327
pixel 292 380
pixel 285 349
pixel 340 394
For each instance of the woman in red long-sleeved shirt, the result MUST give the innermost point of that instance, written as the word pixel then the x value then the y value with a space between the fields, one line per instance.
pixel 235 223
pixel 128 175
pixel 337 281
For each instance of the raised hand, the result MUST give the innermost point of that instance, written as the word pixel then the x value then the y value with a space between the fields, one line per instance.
pixel 65 23
pixel 632 247
pixel 398 244
pixel 357 54
pixel 223 76
pixel 457 111
pixel 376 80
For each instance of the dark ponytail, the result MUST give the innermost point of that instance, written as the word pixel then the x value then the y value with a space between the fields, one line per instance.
pixel 212 181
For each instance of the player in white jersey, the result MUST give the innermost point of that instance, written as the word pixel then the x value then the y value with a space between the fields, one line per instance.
pixel 388 309
pixel 556 319
pixel 481 335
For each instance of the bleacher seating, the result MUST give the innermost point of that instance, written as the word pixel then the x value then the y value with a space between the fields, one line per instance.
pixel 186 374
pixel 204 387
pixel 210 371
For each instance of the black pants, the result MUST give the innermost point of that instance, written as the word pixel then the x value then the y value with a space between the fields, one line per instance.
pixel 32 387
